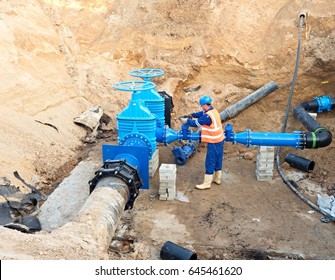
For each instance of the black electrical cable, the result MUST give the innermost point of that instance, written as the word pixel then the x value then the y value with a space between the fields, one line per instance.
pixel 327 217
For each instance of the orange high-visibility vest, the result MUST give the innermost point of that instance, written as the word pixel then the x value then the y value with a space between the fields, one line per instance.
pixel 214 132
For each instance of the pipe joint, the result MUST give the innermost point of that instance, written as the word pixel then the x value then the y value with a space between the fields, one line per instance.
pixel 182 154
pixel 125 172
pixel 300 139
pixel 229 133
pixel 324 102
pixel 324 138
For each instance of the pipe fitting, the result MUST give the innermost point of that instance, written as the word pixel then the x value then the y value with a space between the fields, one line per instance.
pixel 182 154
pixel 324 103
pixel 303 13
pixel 172 251
pixel 300 163
pixel 324 137
pixel 122 170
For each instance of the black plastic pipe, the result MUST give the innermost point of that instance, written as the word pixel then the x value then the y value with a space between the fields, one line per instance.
pixel 300 163
pixel 172 251
pixel 239 106
pixel 318 136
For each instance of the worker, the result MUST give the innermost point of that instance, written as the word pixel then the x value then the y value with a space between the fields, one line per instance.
pixel 211 133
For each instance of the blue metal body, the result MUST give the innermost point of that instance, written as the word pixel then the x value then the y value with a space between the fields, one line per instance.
pixel 325 103
pixel 136 156
pixel 167 135
pixel 139 129
pixel 151 98
pixel 136 124
pixel 248 138
pixel 182 154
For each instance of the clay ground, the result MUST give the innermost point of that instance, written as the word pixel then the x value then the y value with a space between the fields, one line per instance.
pixel 62 57
pixel 241 219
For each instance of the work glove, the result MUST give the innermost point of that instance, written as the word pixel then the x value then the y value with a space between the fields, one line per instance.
pixel 183 119
pixel 187 116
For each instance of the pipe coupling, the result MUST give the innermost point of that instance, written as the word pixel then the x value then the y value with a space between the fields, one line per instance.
pixel 124 171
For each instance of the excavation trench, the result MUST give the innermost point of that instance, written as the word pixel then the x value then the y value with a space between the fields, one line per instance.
pixel 56 69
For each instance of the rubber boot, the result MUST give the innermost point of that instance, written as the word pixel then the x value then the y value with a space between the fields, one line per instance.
pixel 207 182
pixel 217 177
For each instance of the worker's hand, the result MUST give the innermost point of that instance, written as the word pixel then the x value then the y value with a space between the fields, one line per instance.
pixel 183 119
pixel 187 116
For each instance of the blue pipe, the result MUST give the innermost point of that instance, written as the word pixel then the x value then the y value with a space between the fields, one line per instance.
pixel 167 135
pixel 249 138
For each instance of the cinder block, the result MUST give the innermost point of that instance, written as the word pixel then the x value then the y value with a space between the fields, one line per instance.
pixel 162 191
pixel 167 196
pixel 266 156
pixel 264 166
pixel 163 197
pixel 265 160
pixel 266 148
pixel 264 178
pixel 168 187
pixel 167 177
pixel 168 168
pixel 170 198
pixel 264 172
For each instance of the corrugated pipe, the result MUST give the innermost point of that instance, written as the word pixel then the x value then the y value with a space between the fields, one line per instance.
pixel 239 106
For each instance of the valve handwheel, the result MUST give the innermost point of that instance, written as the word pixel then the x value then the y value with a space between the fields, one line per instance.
pixel 134 86
pixel 147 73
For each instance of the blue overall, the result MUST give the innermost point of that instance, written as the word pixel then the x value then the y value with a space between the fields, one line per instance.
pixel 214 156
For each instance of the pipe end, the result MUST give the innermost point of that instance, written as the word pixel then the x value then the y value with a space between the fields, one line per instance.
pixel 303 13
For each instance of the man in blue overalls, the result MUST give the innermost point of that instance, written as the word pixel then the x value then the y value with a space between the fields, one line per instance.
pixel 211 133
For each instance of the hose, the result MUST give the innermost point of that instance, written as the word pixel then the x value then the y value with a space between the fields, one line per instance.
pixel 289 183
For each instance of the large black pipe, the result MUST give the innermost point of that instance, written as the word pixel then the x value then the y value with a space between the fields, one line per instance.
pixel 234 109
pixel 318 136
pixel 306 119
pixel 301 163
pixel 172 251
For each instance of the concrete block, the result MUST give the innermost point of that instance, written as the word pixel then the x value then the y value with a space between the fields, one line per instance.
pixel 162 191
pixel 264 178
pixel 264 166
pixel 264 172
pixel 167 177
pixel 266 156
pixel 266 148
pixel 169 197
pixel 170 168
pixel 163 197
